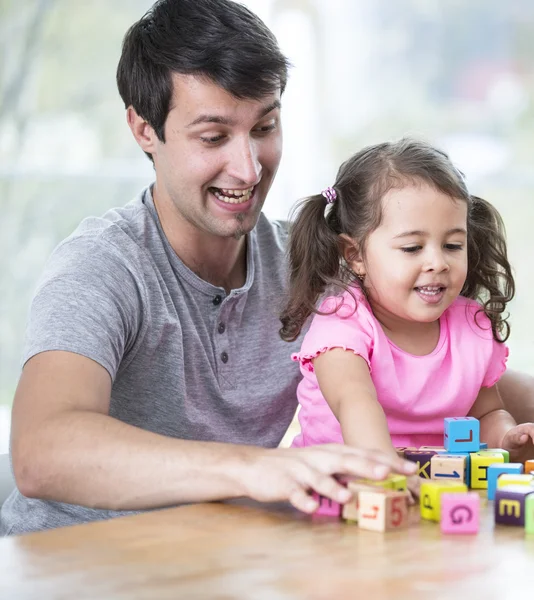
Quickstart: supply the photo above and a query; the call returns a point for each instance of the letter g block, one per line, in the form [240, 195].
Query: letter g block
[460, 513]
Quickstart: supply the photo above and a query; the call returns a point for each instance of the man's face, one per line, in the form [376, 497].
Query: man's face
[219, 158]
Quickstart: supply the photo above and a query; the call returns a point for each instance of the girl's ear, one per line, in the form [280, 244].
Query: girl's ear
[350, 250]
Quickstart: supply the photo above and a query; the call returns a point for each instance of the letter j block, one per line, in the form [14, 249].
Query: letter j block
[462, 434]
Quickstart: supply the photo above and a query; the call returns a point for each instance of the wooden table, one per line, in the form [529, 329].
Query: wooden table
[258, 552]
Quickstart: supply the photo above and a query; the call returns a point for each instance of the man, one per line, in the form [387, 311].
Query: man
[153, 370]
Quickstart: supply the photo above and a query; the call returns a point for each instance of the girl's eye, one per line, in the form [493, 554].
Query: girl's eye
[411, 249]
[212, 140]
[454, 246]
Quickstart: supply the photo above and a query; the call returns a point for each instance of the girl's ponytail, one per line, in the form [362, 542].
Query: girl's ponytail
[314, 263]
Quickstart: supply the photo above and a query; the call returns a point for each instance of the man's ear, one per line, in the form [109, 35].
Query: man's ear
[143, 133]
[352, 254]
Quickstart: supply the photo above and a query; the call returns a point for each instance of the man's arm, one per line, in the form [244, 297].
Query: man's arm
[517, 393]
[66, 447]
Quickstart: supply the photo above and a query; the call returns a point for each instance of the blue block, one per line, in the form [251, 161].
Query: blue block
[462, 434]
[498, 469]
[483, 446]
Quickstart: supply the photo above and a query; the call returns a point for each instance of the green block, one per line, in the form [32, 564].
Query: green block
[529, 514]
[505, 453]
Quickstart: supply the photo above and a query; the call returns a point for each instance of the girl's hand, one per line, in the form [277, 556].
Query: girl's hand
[519, 442]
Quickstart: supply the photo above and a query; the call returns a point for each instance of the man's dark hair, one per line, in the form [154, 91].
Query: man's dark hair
[219, 40]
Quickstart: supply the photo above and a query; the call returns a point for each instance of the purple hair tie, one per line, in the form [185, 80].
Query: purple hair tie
[329, 194]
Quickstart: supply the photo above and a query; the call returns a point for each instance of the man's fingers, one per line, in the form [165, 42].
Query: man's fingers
[303, 501]
[327, 486]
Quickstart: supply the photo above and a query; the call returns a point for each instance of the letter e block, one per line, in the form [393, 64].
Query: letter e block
[510, 504]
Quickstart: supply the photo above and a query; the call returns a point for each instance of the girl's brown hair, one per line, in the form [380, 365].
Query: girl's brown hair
[316, 262]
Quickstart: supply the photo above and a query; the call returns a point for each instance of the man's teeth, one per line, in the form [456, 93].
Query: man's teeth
[233, 196]
[430, 290]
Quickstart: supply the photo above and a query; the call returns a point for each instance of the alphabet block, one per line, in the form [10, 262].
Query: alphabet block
[422, 458]
[505, 453]
[449, 466]
[402, 449]
[510, 504]
[496, 470]
[529, 466]
[462, 434]
[460, 513]
[382, 510]
[326, 507]
[515, 479]
[480, 461]
[349, 512]
[430, 498]
[529, 514]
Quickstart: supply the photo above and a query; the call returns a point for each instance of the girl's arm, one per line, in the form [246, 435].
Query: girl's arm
[347, 387]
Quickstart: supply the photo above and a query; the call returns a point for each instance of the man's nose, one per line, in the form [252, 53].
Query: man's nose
[243, 163]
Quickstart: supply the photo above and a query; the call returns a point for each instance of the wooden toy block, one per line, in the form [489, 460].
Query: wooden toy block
[422, 458]
[505, 453]
[391, 482]
[462, 434]
[449, 466]
[429, 499]
[435, 448]
[483, 446]
[496, 470]
[460, 513]
[402, 449]
[515, 479]
[326, 507]
[529, 514]
[467, 463]
[349, 511]
[510, 504]
[480, 461]
[529, 466]
[383, 510]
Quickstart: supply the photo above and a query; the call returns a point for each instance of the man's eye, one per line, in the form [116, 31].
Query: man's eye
[266, 128]
[212, 140]
[411, 249]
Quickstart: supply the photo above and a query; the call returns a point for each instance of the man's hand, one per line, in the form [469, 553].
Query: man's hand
[290, 474]
[519, 442]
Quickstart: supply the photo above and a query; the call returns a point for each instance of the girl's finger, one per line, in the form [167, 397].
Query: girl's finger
[302, 501]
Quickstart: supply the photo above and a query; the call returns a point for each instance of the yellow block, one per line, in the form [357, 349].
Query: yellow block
[515, 479]
[430, 499]
[392, 482]
[480, 461]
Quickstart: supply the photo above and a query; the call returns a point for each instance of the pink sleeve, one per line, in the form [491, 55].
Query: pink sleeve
[497, 364]
[346, 328]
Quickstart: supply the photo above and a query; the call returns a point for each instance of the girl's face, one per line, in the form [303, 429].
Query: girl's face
[415, 262]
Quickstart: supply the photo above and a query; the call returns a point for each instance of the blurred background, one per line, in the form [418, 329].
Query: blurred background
[458, 73]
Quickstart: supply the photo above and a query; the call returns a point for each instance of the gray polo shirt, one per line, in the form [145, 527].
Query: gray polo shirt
[186, 359]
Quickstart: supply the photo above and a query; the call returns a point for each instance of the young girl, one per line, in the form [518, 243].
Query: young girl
[408, 277]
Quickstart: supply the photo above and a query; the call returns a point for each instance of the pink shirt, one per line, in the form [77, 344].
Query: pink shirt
[416, 392]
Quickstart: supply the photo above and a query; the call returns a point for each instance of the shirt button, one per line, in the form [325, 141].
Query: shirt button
[222, 328]
[224, 357]
[217, 300]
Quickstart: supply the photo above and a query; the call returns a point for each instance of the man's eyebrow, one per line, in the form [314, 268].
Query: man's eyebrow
[219, 120]
[419, 232]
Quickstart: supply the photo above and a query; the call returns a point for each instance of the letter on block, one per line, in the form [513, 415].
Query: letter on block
[349, 511]
[462, 434]
[449, 466]
[460, 513]
[326, 507]
[422, 458]
[430, 501]
[382, 510]
[496, 470]
[510, 504]
[480, 461]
